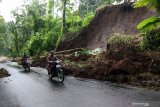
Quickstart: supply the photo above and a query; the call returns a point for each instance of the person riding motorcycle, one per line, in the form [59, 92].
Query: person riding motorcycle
[51, 64]
[24, 59]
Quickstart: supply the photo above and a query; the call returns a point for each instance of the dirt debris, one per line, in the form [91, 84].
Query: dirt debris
[125, 65]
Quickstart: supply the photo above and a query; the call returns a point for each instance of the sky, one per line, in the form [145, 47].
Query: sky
[6, 6]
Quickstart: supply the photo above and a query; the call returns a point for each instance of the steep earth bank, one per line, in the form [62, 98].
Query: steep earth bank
[108, 20]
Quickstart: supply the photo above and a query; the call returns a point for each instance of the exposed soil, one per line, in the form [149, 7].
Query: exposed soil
[40, 61]
[108, 20]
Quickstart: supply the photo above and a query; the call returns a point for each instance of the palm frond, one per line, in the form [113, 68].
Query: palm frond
[152, 4]
[149, 24]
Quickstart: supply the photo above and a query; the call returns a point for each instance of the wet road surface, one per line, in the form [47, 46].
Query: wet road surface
[30, 89]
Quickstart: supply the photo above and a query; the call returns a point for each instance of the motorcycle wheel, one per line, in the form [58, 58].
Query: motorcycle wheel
[27, 68]
[60, 76]
[49, 74]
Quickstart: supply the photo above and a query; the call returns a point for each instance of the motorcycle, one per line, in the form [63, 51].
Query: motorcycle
[26, 64]
[55, 70]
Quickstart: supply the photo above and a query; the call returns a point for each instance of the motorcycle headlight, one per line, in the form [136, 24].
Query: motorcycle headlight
[28, 61]
[58, 66]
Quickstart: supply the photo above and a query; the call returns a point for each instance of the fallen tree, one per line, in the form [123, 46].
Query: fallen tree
[68, 51]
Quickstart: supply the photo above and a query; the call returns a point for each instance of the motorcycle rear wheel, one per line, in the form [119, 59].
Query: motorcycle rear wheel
[26, 68]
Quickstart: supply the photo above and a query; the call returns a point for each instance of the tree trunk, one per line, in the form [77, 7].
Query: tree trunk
[64, 17]
[63, 24]
[16, 42]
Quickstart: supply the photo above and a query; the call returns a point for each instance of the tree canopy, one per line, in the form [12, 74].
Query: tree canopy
[40, 25]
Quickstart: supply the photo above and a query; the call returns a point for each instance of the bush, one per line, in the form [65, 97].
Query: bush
[120, 38]
[123, 42]
[151, 40]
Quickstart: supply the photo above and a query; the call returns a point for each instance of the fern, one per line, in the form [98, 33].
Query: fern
[152, 4]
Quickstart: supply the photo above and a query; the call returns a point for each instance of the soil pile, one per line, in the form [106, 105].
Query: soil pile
[107, 21]
[122, 63]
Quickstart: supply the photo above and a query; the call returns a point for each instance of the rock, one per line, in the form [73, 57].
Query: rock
[4, 73]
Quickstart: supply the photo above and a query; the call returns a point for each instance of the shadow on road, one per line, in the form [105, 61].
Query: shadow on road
[56, 84]
[23, 71]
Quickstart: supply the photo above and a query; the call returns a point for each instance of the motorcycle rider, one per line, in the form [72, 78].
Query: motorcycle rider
[51, 62]
[24, 59]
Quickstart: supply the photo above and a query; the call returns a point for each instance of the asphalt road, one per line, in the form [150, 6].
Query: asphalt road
[31, 89]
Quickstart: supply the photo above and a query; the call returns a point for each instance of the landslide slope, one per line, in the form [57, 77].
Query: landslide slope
[121, 18]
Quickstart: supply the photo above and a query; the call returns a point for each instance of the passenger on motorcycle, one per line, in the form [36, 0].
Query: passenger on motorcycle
[51, 62]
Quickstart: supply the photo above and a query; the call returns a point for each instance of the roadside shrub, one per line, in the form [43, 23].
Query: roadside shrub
[118, 38]
[151, 40]
[123, 44]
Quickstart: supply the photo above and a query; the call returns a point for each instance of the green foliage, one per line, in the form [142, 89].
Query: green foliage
[2, 25]
[151, 41]
[87, 18]
[149, 24]
[74, 22]
[4, 49]
[152, 22]
[83, 52]
[87, 6]
[51, 4]
[152, 4]
[42, 42]
[88, 52]
[120, 38]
